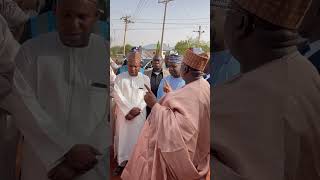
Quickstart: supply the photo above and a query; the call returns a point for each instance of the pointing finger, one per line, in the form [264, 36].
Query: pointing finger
[149, 90]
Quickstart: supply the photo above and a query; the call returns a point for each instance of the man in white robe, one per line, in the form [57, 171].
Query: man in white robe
[13, 19]
[61, 78]
[8, 49]
[129, 91]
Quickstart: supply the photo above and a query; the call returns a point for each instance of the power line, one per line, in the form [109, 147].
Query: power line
[147, 29]
[140, 6]
[199, 33]
[172, 23]
[168, 27]
[173, 18]
[169, 19]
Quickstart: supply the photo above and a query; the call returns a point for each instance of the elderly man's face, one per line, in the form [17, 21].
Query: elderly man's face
[75, 20]
[133, 67]
[175, 69]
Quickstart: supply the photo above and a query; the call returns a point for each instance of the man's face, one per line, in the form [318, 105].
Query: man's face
[133, 67]
[218, 17]
[156, 64]
[75, 20]
[174, 69]
[183, 71]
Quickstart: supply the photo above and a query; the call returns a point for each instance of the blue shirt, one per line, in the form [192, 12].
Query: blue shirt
[175, 83]
[223, 67]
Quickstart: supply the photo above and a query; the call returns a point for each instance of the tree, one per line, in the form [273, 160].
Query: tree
[183, 45]
[118, 50]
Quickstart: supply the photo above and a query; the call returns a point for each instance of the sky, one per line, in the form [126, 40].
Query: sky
[183, 17]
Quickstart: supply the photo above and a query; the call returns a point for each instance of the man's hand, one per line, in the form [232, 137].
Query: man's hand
[129, 117]
[166, 87]
[150, 98]
[82, 157]
[62, 172]
[134, 112]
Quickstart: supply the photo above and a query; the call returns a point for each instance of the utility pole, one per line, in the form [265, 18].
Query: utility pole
[164, 22]
[126, 20]
[199, 34]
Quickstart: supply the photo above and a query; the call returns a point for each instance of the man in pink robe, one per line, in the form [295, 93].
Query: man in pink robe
[175, 140]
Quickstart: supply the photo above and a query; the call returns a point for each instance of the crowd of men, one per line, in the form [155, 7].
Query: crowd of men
[153, 119]
[265, 98]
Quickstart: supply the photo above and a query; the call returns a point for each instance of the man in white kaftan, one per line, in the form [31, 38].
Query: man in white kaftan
[129, 91]
[8, 136]
[12, 23]
[63, 94]
[61, 79]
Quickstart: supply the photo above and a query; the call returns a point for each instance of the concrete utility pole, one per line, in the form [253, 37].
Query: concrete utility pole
[164, 22]
[199, 34]
[126, 20]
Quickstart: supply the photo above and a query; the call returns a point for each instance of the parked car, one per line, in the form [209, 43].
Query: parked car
[146, 64]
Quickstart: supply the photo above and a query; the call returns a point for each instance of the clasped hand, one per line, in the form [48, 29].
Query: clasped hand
[80, 159]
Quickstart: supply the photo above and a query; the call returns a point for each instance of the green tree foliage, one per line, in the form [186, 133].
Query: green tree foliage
[183, 45]
[115, 51]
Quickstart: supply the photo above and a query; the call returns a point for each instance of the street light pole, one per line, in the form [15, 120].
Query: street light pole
[199, 34]
[163, 24]
[126, 20]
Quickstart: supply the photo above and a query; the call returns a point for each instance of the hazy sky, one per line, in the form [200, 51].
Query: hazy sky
[183, 17]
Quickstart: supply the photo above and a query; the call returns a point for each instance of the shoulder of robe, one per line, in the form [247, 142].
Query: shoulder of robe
[121, 76]
[304, 81]
[267, 85]
[145, 77]
[301, 70]
[40, 42]
[204, 84]
[99, 41]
